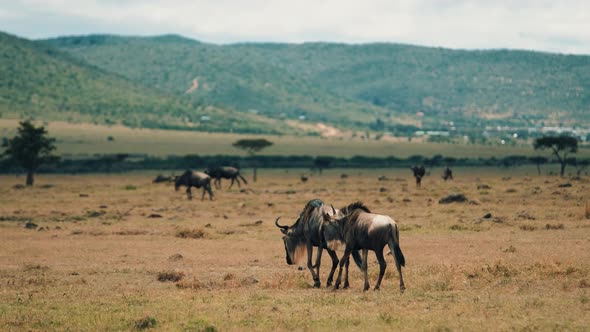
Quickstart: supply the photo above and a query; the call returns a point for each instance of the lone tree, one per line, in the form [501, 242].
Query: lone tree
[252, 146]
[30, 148]
[560, 146]
[538, 160]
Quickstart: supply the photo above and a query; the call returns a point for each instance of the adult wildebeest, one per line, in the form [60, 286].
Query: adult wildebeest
[362, 230]
[305, 234]
[194, 179]
[419, 172]
[447, 174]
[161, 178]
[225, 172]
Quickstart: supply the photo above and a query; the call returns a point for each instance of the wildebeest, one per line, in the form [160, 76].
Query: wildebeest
[419, 172]
[194, 179]
[447, 174]
[225, 172]
[305, 234]
[161, 178]
[362, 230]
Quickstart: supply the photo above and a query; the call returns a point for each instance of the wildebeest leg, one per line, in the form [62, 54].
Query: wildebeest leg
[189, 194]
[203, 196]
[382, 266]
[318, 261]
[208, 188]
[217, 183]
[365, 269]
[334, 265]
[238, 181]
[316, 278]
[231, 184]
[343, 260]
[346, 284]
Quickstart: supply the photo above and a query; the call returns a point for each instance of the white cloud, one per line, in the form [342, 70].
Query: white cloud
[562, 26]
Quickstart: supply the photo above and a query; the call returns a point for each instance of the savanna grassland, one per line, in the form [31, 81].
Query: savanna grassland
[116, 252]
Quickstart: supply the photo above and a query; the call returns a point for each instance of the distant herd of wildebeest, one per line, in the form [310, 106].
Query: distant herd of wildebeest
[353, 227]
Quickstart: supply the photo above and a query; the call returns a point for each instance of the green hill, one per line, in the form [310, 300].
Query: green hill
[227, 76]
[517, 86]
[42, 82]
[380, 85]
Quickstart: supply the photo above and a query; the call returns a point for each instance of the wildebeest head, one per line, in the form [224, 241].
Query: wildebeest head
[294, 246]
[181, 180]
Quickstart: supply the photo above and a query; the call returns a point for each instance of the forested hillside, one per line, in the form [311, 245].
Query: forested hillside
[377, 84]
[42, 82]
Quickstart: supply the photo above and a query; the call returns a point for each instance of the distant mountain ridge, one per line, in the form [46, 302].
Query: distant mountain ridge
[175, 82]
[368, 84]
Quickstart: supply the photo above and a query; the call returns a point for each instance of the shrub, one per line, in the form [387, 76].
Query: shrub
[195, 233]
[145, 323]
[173, 276]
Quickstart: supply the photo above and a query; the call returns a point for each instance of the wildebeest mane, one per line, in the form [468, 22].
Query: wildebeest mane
[354, 206]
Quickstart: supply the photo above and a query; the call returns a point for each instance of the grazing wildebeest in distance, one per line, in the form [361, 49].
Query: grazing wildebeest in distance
[447, 174]
[362, 230]
[194, 179]
[419, 172]
[225, 172]
[161, 178]
[305, 234]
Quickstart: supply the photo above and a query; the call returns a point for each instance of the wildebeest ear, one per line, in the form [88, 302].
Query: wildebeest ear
[326, 216]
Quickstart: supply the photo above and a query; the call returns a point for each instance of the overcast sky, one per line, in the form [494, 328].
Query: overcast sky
[554, 26]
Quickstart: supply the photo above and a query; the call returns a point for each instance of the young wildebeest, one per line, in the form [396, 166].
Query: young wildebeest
[447, 174]
[419, 172]
[225, 172]
[362, 230]
[194, 179]
[305, 234]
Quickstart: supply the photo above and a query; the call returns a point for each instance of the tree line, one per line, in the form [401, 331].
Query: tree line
[31, 151]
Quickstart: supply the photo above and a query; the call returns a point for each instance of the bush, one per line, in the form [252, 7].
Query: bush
[145, 323]
[195, 233]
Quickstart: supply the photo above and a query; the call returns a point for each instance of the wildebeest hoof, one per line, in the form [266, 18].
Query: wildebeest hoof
[336, 286]
[366, 288]
[317, 284]
[402, 289]
[376, 288]
[346, 285]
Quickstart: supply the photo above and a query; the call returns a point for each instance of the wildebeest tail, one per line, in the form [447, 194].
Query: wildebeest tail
[357, 258]
[241, 177]
[394, 245]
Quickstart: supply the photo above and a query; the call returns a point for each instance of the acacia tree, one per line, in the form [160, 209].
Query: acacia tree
[252, 146]
[30, 148]
[560, 146]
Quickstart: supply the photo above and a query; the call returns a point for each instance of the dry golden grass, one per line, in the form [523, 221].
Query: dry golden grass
[94, 261]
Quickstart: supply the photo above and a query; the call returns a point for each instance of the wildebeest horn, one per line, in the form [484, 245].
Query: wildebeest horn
[279, 226]
[333, 210]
